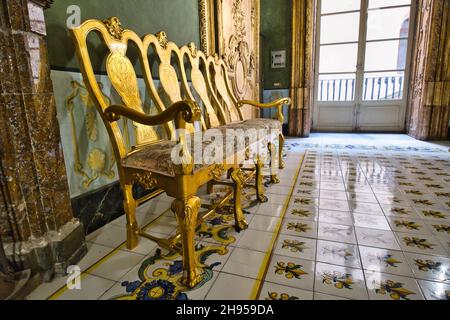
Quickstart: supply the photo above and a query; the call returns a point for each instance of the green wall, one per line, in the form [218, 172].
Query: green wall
[178, 18]
[276, 34]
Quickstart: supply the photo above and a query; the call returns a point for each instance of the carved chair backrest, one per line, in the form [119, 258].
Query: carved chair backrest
[167, 58]
[122, 75]
[220, 87]
[194, 61]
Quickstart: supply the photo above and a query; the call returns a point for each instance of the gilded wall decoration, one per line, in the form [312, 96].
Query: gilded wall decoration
[207, 26]
[238, 33]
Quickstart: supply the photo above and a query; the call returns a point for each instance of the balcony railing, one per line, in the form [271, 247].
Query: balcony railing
[375, 88]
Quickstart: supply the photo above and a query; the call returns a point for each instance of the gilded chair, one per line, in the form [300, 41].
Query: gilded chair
[151, 162]
[223, 95]
[193, 61]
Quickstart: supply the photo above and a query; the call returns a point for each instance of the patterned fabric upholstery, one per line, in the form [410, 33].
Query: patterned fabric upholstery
[157, 157]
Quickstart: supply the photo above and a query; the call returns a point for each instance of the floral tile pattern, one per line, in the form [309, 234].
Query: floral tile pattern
[362, 219]
[340, 281]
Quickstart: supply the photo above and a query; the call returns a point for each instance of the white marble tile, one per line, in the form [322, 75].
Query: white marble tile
[370, 221]
[116, 265]
[244, 262]
[264, 223]
[255, 240]
[338, 253]
[241, 288]
[335, 232]
[110, 236]
[377, 238]
[91, 288]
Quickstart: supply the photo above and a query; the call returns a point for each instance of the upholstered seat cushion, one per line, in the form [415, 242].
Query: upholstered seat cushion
[157, 157]
[268, 124]
[260, 123]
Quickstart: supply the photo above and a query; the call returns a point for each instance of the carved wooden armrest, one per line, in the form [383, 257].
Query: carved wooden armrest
[182, 112]
[277, 103]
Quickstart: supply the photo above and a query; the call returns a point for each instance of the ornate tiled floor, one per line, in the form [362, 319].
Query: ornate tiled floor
[354, 217]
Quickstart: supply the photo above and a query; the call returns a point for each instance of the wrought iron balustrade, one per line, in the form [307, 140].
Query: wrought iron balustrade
[375, 88]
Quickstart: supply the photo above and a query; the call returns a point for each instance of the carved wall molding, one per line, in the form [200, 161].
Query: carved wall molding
[302, 78]
[429, 100]
[238, 34]
[207, 26]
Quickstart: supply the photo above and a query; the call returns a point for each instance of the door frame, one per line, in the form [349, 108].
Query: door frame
[358, 105]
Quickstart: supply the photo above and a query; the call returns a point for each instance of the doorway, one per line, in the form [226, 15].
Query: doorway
[363, 55]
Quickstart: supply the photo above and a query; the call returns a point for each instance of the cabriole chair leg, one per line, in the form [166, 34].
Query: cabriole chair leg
[236, 176]
[259, 180]
[280, 151]
[186, 211]
[129, 204]
[273, 164]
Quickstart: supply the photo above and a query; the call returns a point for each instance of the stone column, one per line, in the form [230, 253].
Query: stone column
[429, 100]
[302, 81]
[36, 220]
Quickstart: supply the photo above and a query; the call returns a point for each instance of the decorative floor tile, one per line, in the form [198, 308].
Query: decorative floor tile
[383, 286]
[302, 213]
[296, 247]
[244, 262]
[429, 267]
[435, 290]
[439, 228]
[300, 192]
[377, 238]
[420, 243]
[335, 232]
[393, 187]
[385, 261]
[400, 224]
[302, 228]
[370, 221]
[338, 253]
[399, 211]
[297, 273]
[434, 215]
[272, 291]
[340, 281]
